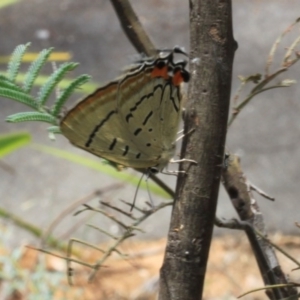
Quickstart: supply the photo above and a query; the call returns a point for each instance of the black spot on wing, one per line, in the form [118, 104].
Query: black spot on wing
[130, 115]
[137, 131]
[113, 144]
[125, 150]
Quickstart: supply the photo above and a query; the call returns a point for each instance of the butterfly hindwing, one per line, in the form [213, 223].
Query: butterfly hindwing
[131, 121]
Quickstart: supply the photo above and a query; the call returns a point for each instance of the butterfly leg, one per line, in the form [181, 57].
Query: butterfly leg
[183, 135]
[183, 160]
[175, 173]
[168, 172]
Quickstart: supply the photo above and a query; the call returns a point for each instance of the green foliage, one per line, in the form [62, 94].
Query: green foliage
[15, 62]
[13, 141]
[10, 89]
[35, 68]
[4, 3]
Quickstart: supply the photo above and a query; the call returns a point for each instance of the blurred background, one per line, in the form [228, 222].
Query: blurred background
[37, 186]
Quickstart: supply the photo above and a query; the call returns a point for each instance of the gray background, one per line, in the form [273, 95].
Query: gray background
[265, 135]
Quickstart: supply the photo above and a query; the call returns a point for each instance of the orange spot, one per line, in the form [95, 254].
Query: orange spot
[160, 72]
[177, 78]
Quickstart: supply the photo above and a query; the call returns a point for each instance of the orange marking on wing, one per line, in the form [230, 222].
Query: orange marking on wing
[177, 78]
[160, 72]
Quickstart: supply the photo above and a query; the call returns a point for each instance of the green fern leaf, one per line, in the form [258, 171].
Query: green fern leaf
[54, 129]
[53, 80]
[34, 69]
[5, 83]
[75, 84]
[15, 62]
[31, 116]
[18, 96]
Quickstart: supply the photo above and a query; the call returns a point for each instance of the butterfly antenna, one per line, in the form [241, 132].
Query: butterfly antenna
[148, 189]
[136, 192]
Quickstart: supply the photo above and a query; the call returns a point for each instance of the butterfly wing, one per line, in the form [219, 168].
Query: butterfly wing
[132, 121]
[95, 125]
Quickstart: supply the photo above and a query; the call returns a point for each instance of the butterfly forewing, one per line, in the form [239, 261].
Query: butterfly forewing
[94, 125]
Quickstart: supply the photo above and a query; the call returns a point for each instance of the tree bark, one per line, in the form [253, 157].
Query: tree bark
[211, 57]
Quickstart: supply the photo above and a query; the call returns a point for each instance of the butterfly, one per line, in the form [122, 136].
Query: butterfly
[133, 120]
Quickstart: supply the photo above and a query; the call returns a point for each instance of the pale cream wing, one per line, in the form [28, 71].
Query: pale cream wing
[152, 117]
[95, 125]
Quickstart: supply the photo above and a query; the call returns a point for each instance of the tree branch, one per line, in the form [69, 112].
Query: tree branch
[239, 191]
[133, 28]
[212, 51]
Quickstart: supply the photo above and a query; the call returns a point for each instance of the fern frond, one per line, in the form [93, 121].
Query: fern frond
[31, 116]
[54, 129]
[5, 83]
[9, 88]
[15, 62]
[61, 100]
[34, 69]
[53, 80]
[18, 96]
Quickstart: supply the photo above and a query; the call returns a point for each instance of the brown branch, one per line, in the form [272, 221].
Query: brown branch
[133, 28]
[212, 44]
[240, 193]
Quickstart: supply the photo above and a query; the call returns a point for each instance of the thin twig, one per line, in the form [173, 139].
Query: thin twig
[133, 28]
[275, 46]
[246, 206]
[278, 248]
[106, 214]
[74, 205]
[260, 87]
[102, 231]
[129, 215]
[260, 192]
[126, 235]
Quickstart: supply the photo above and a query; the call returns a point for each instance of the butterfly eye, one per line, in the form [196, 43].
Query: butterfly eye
[185, 75]
[160, 64]
[180, 75]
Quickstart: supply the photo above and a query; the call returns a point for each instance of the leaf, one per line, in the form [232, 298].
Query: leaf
[5, 83]
[61, 100]
[53, 80]
[63, 84]
[12, 142]
[15, 61]
[4, 3]
[31, 116]
[18, 96]
[54, 129]
[255, 78]
[35, 68]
